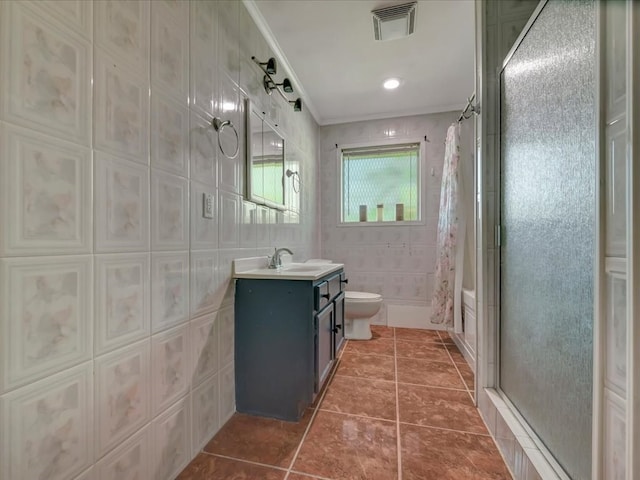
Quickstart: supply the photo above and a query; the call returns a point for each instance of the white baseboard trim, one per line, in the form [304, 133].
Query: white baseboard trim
[411, 316]
[467, 353]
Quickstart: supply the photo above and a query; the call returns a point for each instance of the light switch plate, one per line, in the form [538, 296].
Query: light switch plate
[207, 205]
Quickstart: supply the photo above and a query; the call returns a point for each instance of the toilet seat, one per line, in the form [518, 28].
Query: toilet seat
[358, 297]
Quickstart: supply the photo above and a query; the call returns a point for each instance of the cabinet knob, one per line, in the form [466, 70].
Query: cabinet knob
[325, 295]
[346, 280]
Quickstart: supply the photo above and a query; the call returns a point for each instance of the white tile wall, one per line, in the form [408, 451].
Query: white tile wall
[116, 339]
[395, 261]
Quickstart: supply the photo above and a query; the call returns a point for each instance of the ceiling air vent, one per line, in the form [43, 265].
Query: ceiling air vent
[393, 22]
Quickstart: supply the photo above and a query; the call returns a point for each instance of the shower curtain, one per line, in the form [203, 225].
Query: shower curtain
[447, 291]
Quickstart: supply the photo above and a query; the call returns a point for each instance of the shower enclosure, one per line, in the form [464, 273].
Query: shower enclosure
[548, 212]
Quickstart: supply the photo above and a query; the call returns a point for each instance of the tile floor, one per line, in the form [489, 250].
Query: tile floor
[396, 407]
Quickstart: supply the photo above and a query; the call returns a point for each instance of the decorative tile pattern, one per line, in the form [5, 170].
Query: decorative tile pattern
[122, 27]
[227, 393]
[432, 350]
[171, 441]
[375, 346]
[231, 108]
[429, 373]
[169, 290]
[248, 227]
[122, 394]
[439, 407]
[616, 332]
[430, 453]
[208, 466]
[334, 440]
[122, 205]
[616, 188]
[259, 439]
[46, 188]
[203, 141]
[361, 396]
[47, 427]
[203, 58]
[130, 461]
[205, 413]
[121, 109]
[227, 27]
[169, 367]
[204, 282]
[170, 207]
[123, 300]
[170, 48]
[614, 437]
[229, 219]
[169, 135]
[46, 74]
[76, 14]
[227, 329]
[46, 326]
[204, 347]
[376, 367]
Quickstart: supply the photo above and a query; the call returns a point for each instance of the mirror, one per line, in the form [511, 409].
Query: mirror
[265, 161]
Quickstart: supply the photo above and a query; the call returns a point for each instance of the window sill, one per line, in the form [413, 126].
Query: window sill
[416, 223]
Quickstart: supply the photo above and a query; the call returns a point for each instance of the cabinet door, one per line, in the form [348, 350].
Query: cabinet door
[339, 323]
[324, 345]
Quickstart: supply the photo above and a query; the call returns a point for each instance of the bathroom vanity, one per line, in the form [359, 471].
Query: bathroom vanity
[289, 329]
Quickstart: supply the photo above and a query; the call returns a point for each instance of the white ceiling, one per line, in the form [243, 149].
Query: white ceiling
[330, 50]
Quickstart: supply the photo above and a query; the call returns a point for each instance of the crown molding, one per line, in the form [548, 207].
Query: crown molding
[262, 25]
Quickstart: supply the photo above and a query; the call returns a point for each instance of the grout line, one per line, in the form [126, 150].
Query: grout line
[365, 378]
[431, 427]
[282, 469]
[423, 359]
[335, 412]
[459, 374]
[465, 389]
[398, 444]
[316, 409]
[310, 475]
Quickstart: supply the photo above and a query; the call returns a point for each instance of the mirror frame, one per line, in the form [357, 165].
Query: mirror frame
[250, 121]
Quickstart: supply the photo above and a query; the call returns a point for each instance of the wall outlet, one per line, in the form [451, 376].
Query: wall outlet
[207, 205]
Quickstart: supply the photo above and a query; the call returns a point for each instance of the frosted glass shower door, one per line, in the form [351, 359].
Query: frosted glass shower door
[548, 158]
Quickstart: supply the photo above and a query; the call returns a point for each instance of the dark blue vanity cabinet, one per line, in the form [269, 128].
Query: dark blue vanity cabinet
[287, 336]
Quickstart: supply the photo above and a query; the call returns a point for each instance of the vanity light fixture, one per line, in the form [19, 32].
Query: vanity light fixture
[297, 104]
[286, 85]
[391, 83]
[270, 66]
[269, 84]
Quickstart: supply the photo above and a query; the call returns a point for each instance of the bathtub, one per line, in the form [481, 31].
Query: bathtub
[468, 336]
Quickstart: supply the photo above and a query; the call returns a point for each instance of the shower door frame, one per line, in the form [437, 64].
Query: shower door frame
[491, 324]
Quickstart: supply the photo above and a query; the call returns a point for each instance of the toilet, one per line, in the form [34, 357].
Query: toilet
[359, 308]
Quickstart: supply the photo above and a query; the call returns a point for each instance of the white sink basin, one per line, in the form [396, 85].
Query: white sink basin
[292, 267]
[288, 271]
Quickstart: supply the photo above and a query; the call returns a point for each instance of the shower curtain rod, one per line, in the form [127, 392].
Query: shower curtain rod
[470, 108]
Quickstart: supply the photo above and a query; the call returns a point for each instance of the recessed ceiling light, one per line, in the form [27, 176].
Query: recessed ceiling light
[391, 83]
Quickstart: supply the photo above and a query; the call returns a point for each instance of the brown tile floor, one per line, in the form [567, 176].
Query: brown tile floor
[397, 407]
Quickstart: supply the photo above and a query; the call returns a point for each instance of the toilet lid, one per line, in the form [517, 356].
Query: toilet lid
[362, 296]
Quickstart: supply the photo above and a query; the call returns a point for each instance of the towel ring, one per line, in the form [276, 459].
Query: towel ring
[219, 125]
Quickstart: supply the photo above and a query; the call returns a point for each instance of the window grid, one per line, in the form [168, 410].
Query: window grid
[381, 175]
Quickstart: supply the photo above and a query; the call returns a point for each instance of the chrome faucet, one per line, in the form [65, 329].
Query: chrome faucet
[275, 261]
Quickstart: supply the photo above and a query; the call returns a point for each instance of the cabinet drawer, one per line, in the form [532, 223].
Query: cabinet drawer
[322, 295]
[335, 286]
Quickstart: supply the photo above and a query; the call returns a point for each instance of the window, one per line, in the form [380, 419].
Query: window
[381, 183]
